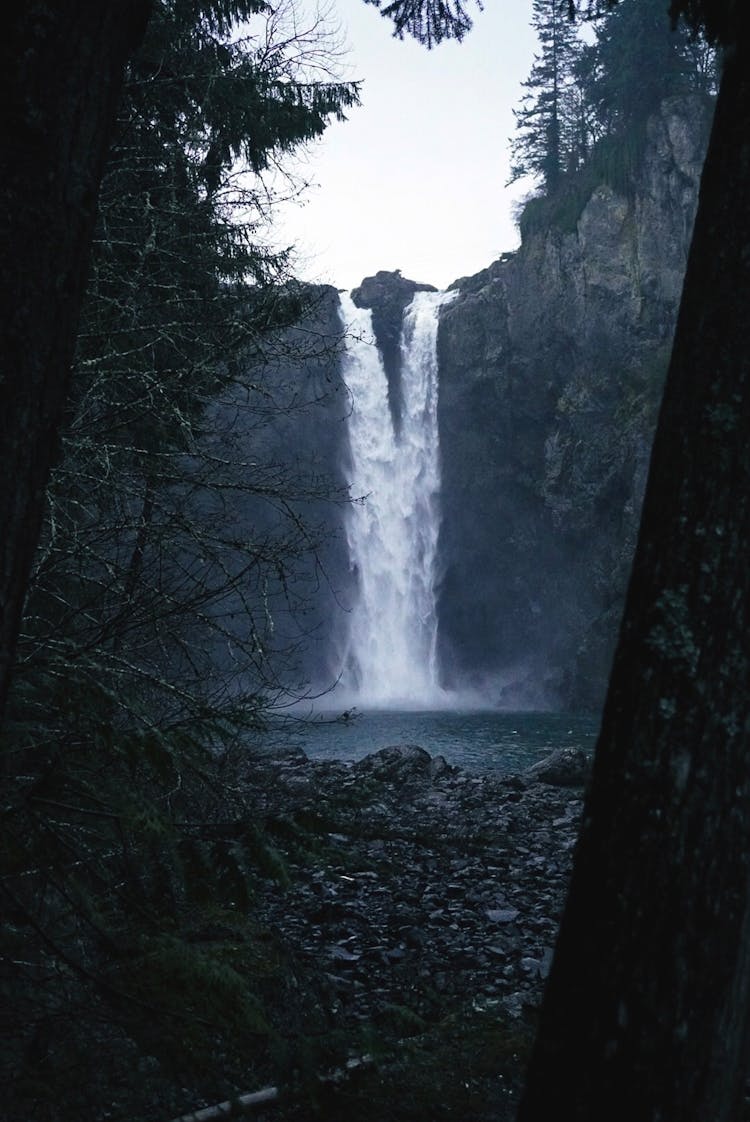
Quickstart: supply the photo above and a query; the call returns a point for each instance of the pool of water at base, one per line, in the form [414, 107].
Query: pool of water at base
[478, 741]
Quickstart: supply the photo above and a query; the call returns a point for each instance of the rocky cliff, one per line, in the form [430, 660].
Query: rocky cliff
[551, 365]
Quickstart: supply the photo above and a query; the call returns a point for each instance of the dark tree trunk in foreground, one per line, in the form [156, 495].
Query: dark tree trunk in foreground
[61, 70]
[646, 1012]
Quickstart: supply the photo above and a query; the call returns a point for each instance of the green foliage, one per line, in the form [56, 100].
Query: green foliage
[614, 161]
[129, 857]
[427, 21]
[194, 995]
[719, 20]
[583, 121]
[639, 60]
[560, 210]
[432, 21]
[467, 1065]
[403, 1020]
[542, 145]
[140, 579]
[128, 870]
[223, 99]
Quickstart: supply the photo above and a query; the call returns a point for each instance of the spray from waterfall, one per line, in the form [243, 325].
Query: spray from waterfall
[392, 530]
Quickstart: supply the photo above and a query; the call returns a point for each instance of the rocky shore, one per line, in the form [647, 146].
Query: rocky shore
[439, 893]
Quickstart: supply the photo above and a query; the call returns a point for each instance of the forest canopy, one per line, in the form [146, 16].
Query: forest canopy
[431, 21]
[588, 101]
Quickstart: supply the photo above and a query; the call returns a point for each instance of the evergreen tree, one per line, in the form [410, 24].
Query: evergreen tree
[181, 298]
[639, 60]
[118, 824]
[582, 94]
[428, 21]
[585, 129]
[545, 129]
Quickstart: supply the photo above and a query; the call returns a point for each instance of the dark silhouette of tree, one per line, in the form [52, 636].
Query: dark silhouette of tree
[646, 1012]
[217, 105]
[639, 60]
[593, 100]
[431, 21]
[546, 121]
[167, 569]
[61, 67]
[428, 21]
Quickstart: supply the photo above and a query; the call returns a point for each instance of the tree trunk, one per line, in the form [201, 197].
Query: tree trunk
[61, 69]
[645, 1017]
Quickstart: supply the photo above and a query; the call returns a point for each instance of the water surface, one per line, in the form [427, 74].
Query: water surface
[491, 741]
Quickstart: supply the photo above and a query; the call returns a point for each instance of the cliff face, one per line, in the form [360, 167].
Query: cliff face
[551, 364]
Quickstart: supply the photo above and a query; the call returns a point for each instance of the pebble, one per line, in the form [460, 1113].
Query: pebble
[432, 874]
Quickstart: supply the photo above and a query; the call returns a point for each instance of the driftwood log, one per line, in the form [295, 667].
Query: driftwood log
[247, 1102]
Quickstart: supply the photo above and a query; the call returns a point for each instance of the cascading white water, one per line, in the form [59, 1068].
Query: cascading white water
[392, 533]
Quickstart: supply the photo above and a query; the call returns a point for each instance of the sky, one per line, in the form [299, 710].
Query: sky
[415, 178]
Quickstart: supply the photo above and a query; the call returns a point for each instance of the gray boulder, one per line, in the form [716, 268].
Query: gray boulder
[565, 767]
[397, 763]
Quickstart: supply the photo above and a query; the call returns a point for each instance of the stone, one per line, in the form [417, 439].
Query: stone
[396, 762]
[566, 767]
[387, 294]
[428, 906]
[439, 767]
[544, 443]
[341, 954]
[502, 915]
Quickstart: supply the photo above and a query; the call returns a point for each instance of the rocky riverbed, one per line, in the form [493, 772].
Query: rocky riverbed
[439, 894]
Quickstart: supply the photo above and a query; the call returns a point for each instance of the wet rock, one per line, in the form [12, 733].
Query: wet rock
[388, 293]
[440, 767]
[502, 915]
[566, 767]
[396, 763]
[342, 955]
[429, 880]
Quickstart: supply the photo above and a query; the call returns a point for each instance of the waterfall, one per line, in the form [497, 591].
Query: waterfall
[392, 530]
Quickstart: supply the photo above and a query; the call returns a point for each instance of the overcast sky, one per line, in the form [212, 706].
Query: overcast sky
[415, 179]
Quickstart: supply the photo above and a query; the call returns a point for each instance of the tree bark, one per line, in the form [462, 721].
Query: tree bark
[61, 69]
[645, 1016]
